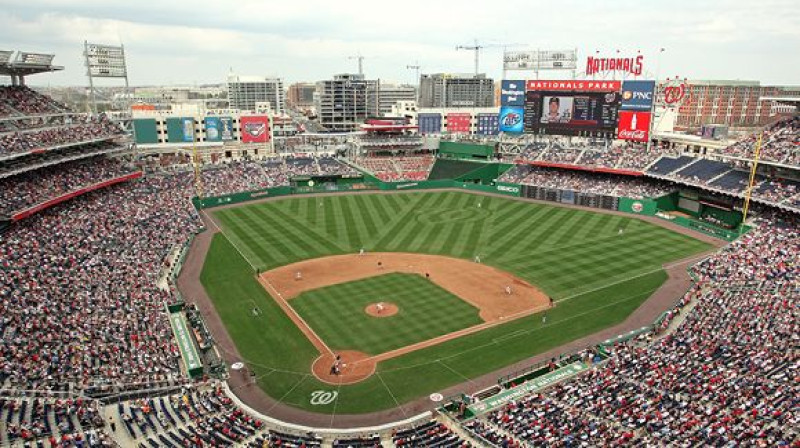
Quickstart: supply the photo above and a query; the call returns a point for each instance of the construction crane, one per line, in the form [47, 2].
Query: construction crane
[416, 67]
[360, 62]
[478, 47]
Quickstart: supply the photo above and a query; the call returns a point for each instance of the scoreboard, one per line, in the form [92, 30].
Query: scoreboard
[571, 113]
[572, 107]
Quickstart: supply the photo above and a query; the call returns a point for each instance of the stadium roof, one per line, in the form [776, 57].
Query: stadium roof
[25, 63]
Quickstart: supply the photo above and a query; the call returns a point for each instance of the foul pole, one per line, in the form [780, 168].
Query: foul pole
[749, 193]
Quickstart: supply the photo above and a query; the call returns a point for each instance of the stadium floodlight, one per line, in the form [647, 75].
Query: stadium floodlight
[104, 61]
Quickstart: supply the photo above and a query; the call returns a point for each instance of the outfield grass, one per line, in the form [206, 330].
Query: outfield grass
[577, 257]
[336, 313]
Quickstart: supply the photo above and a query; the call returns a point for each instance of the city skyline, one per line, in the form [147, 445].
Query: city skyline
[188, 43]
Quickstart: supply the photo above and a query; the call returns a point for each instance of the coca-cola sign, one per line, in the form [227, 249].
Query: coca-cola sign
[634, 126]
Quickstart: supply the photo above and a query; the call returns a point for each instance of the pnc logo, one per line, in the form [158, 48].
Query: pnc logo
[629, 95]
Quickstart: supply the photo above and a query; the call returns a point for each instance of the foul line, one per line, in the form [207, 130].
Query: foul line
[287, 393]
[454, 371]
[306, 329]
[664, 267]
[391, 394]
[210, 219]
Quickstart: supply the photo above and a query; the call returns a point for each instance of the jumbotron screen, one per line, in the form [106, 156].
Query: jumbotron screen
[580, 111]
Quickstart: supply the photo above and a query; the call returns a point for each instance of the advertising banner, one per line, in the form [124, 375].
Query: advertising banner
[512, 93]
[430, 123]
[212, 129]
[575, 86]
[187, 129]
[488, 124]
[145, 130]
[634, 126]
[226, 129]
[255, 128]
[511, 119]
[515, 393]
[458, 122]
[638, 95]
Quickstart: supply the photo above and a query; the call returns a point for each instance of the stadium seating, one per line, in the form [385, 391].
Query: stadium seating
[779, 143]
[57, 422]
[667, 165]
[102, 254]
[21, 100]
[724, 376]
[391, 169]
[33, 187]
[612, 185]
[27, 141]
[82, 312]
[429, 434]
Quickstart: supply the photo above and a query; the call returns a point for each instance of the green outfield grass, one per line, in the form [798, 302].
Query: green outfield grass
[336, 313]
[597, 275]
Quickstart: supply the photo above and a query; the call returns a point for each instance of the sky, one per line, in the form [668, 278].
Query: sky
[187, 42]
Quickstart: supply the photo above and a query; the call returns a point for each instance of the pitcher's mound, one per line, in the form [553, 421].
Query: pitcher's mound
[381, 309]
[354, 366]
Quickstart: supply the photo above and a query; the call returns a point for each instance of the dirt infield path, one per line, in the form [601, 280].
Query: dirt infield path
[189, 285]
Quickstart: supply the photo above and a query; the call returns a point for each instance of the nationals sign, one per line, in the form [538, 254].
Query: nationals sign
[630, 65]
[255, 128]
[634, 126]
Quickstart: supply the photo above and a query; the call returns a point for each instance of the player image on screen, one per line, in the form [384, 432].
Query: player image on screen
[558, 109]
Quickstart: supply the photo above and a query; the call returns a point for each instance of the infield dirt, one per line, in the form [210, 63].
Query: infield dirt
[499, 296]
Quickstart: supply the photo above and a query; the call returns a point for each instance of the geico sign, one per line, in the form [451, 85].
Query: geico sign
[507, 189]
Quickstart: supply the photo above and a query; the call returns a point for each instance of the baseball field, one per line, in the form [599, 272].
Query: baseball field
[451, 286]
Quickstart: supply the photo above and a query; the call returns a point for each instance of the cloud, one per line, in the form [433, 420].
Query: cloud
[184, 41]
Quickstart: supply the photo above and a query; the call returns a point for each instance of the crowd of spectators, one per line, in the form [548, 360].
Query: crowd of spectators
[780, 143]
[726, 375]
[329, 166]
[249, 175]
[62, 422]
[15, 100]
[237, 176]
[428, 434]
[777, 190]
[26, 141]
[79, 305]
[391, 169]
[626, 156]
[33, 187]
[586, 182]
[194, 417]
[14, 166]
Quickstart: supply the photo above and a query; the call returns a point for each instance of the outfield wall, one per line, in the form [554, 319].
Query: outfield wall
[237, 198]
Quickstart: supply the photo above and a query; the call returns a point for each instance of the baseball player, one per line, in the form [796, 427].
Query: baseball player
[379, 307]
[508, 290]
[298, 276]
